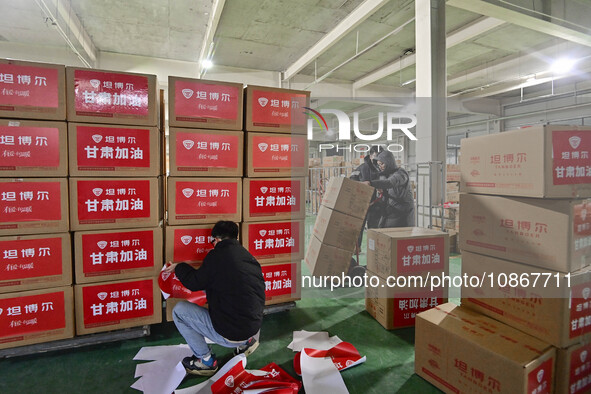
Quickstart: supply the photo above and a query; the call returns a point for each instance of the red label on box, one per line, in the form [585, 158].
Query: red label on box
[30, 201]
[109, 304]
[206, 198]
[582, 228]
[279, 152]
[194, 99]
[539, 380]
[274, 109]
[280, 279]
[408, 305]
[113, 199]
[580, 370]
[196, 150]
[580, 311]
[192, 244]
[107, 147]
[28, 86]
[29, 147]
[30, 258]
[105, 94]
[268, 196]
[570, 153]
[105, 253]
[276, 238]
[420, 254]
[20, 316]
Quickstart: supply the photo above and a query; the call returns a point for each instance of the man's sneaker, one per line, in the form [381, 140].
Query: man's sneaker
[248, 348]
[197, 366]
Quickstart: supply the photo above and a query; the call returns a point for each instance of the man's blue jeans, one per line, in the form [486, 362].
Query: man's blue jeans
[194, 324]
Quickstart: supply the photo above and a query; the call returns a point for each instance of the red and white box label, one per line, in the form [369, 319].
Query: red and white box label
[580, 311]
[278, 152]
[194, 100]
[407, 306]
[270, 239]
[580, 370]
[30, 201]
[198, 199]
[274, 196]
[280, 279]
[420, 255]
[274, 109]
[540, 380]
[199, 150]
[29, 147]
[192, 244]
[30, 258]
[570, 152]
[28, 86]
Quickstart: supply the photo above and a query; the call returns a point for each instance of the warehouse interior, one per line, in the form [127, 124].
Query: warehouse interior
[464, 68]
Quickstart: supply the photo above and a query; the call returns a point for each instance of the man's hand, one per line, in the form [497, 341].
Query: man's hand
[170, 266]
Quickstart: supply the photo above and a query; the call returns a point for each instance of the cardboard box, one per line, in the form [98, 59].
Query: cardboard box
[337, 229]
[406, 250]
[36, 316]
[540, 161]
[282, 282]
[203, 200]
[458, 350]
[101, 256]
[396, 307]
[198, 103]
[452, 187]
[333, 161]
[115, 305]
[347, 196]
[206, 152]
[543, 303]
[114, 97]
[170, 304]
[189, 244]
[314, 162]
[276, 110]
[573, 369]
[271, 242]
[323, 259]
[276, 155]
[113, 150]
[32, 90]
[102, 203]
[33, 205]
[452, 168]
[33, 148]
[553, 234]
[273, 199]
[35, 262]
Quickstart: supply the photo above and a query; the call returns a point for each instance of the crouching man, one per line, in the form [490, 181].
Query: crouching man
[235, 289]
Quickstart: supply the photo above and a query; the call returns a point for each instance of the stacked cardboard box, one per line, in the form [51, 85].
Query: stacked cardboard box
[114, 158]
[404, 252]
[35, 247]
[337, 227]
[530, 236]
[333, 161]
[274, 187]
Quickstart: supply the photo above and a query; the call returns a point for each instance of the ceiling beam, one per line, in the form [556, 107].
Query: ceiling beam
[463, 34]
[212, 25]
[520, 19]
[351, 21]
[69, 27]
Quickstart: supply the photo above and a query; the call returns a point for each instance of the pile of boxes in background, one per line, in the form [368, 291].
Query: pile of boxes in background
[222, 169]
[528, 236]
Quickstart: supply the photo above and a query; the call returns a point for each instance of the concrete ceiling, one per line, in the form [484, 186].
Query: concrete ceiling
[490, 44]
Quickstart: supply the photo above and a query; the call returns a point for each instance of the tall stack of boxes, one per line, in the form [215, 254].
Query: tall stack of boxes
[525, 230]
[35, 249]
[114, 198]
[276, 164]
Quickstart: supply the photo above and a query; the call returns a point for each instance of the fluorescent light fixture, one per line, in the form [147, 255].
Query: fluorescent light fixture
[207, 63]
[531, 79]
[563, 65]
[408, 82]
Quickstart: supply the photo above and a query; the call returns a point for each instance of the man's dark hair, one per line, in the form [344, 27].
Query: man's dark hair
[374, 149]
[225, 230]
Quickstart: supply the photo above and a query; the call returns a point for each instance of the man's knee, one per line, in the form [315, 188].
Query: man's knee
[179, 310]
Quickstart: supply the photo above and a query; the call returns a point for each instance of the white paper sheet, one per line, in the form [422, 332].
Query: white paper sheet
[153, 353]
[312, 340]
[320, 376]
[165, 373]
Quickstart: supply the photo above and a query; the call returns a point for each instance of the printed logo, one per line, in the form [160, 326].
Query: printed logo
[188, 192]
[186, 239]
[102, 295]
[263, 233]
[349, 363]
[102, 244]
[478, 232]
[187, 93]
[165, 275]
[586, 292]
[475, 173]
[188, 144]
[263, 147]
[263, 101]
[540, 375]
[574, 141]
[410, 248]
[583, 356]
[97, 191]
[264, 189]
[229, 381]
[1, 310]
[97, 138]
[583, 214]
[95, 83]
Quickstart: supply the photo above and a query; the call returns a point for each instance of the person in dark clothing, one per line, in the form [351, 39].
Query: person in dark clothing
[399, 209]
[233, 282]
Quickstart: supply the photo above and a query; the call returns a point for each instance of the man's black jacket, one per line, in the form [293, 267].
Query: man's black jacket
[235, 288]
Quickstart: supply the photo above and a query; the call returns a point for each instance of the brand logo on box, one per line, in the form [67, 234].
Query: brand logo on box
[1, 310]
[263, 147]
[97, 191]
[583, 214]
[586, 292]
[574, 142]
[229, 381]
[102, 295]
[101, 244]
[410, 249]
[583, 356]
[188, 93]
[97, 138]
[264, 190]
[263, 101]
[187, 192]
[95, 83]
[188, 144]
[263, 233]
[540, 376]
[186, 239]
